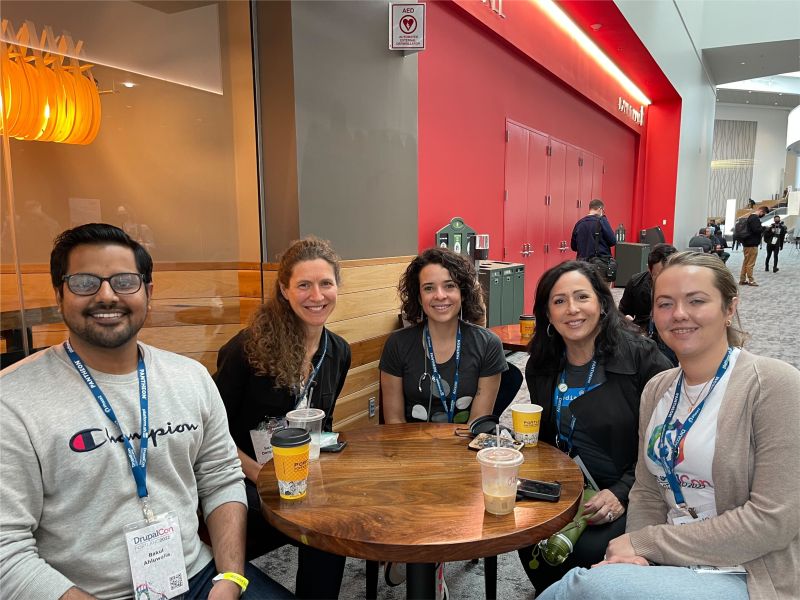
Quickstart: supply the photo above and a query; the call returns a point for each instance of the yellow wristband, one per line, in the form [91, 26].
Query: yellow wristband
[239, 580]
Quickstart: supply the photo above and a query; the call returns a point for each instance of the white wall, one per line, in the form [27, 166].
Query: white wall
[660, 27]
[770, 154]
[727, 23]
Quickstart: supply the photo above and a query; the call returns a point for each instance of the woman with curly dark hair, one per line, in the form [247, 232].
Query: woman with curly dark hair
[587, 368]
[445, 368]
[286, 359]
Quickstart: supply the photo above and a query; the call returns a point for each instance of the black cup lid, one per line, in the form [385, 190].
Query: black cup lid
[290, 437]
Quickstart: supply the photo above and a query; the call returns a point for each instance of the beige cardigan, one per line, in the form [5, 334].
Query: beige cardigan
[756, 471]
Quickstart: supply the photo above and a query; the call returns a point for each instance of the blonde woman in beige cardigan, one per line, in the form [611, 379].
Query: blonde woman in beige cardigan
[718, 477]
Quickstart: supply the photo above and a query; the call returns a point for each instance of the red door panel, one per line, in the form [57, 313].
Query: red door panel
[537, 213]
[516, 190]
[556, 189]
[572, 196]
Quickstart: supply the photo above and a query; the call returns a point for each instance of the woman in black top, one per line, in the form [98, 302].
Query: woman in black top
[286, 359]
[587, 368]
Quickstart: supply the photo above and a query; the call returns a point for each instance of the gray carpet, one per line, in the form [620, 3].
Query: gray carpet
[770, 313]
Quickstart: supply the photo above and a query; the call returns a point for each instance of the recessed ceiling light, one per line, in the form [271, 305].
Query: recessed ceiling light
[128, 84]
[742, 63]
[747, 102]
[776, 104]
[749, 91]
[780, 93]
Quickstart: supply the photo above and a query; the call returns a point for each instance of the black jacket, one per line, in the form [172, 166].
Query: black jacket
[610, 412]
[775, 234]
[637, 299]
[582, 240]
[754, 231]
[249, 398]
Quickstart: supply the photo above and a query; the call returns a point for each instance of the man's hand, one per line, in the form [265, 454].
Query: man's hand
[225, 590]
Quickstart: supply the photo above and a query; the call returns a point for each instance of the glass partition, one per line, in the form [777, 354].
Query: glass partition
[173, 164]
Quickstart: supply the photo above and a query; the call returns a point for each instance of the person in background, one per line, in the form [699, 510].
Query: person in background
[592, 235]
[637, 299]
[718, 480]
[750, 243]
[702, 240]
[719, 245]
[103, 432]
[773, 237]
[286, 359]
[587, 368]
[717, 230]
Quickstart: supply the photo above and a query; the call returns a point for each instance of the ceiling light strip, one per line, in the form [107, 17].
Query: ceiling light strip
[560, 18]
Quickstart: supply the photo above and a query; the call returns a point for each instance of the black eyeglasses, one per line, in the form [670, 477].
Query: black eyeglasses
[86, 284]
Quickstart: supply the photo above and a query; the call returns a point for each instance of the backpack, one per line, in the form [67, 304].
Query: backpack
[740, 228]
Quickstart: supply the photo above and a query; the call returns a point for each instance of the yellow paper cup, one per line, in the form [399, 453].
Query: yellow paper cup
[527, 325]
[526, 419]
[290, 457]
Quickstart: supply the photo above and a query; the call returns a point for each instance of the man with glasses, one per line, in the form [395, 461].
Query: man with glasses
[109, 444]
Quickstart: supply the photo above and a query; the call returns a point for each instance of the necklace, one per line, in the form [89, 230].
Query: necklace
[697, 397]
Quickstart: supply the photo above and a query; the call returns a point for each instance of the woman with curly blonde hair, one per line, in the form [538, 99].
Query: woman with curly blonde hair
[286, 359]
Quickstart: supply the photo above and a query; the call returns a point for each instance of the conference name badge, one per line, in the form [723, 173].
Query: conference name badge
[155, 553]
[679, 516]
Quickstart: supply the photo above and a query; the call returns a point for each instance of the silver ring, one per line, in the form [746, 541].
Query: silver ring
[610, 516]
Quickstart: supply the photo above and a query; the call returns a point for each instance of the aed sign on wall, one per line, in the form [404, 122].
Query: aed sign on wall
[406, 26]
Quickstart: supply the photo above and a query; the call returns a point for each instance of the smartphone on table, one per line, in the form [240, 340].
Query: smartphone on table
[538, 490]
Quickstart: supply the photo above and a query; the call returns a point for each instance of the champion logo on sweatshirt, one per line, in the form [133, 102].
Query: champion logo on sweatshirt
[87, 440]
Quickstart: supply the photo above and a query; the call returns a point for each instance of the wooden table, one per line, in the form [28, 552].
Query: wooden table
[511, 338]
[412, 493]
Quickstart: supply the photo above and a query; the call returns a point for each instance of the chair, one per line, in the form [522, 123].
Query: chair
[510, 382]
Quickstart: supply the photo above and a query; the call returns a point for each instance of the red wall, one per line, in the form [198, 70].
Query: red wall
[470, 82]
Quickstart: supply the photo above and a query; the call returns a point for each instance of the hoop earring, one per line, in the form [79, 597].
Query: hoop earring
[549, 332]
[728, 323]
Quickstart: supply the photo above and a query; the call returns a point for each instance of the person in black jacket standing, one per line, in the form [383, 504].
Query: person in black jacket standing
[592, 235]
[750, 243]
[774, 236]
[587, 368]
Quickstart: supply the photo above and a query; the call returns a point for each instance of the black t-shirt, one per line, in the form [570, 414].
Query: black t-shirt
[404, 356]
[250, 399]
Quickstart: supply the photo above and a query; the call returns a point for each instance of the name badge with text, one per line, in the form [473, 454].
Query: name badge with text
[155, 553]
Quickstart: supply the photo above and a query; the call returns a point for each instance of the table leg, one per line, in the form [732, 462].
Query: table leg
[490, 577]
[421, 581]
[372, 580]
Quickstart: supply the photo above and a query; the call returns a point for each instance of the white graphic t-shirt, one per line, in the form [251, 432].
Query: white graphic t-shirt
[693, 463]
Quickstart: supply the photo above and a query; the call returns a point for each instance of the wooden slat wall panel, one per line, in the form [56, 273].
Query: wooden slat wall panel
[37, 287]
[368, 350]
[368, 326]
[360, 377]
[351, 306]
[358, 421]
[355, 403]
[359, 279]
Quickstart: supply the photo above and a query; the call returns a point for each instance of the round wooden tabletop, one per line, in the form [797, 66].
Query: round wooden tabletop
[412, 493]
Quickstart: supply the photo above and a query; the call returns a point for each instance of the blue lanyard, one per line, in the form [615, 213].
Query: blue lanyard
[138, 467]
[558, 400]
[437, 378]
[314, 372]
[666, 456]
